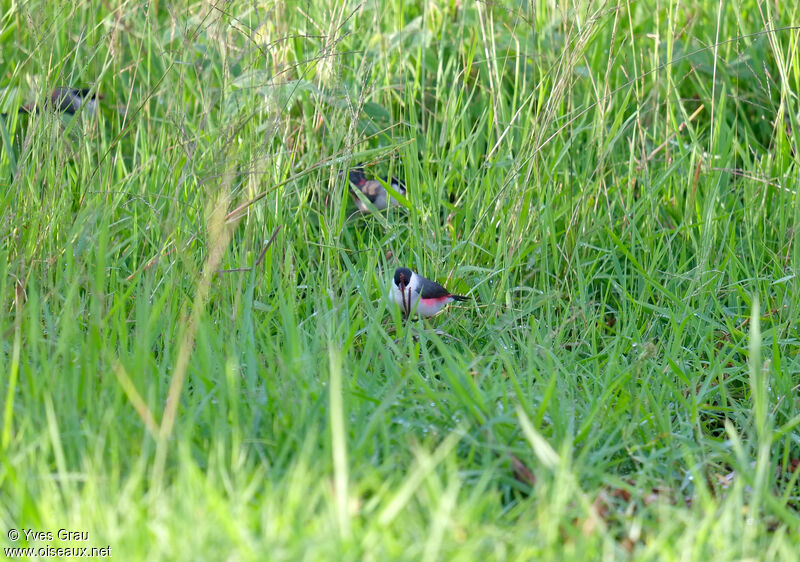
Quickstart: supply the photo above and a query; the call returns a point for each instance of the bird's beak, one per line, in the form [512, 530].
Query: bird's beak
[406, 304]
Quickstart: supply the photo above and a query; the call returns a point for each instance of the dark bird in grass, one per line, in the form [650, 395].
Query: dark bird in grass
[66, 100]
[414, 293]
[374, 190]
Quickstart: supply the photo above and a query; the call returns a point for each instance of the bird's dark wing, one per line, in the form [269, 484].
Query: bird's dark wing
[432, 290]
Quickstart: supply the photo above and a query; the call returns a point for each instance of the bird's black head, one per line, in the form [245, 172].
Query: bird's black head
[402, 275]
[357, 177]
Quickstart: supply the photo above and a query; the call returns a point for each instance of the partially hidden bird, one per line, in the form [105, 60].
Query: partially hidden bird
[66, 100]
[374, 190]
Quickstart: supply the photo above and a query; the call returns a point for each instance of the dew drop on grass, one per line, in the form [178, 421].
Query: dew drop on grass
[401, 421]
[505, 346]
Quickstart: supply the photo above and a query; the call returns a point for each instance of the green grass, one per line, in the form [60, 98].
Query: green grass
[613, 184]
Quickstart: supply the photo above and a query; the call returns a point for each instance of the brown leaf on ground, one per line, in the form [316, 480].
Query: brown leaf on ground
[601, 505]
[628, 544]
[521, 472]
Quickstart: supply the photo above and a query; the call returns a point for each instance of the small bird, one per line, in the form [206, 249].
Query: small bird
[415, 293]
[66, 100]
[374, 190]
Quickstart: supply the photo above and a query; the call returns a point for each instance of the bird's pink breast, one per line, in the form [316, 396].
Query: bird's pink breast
[429, 307]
